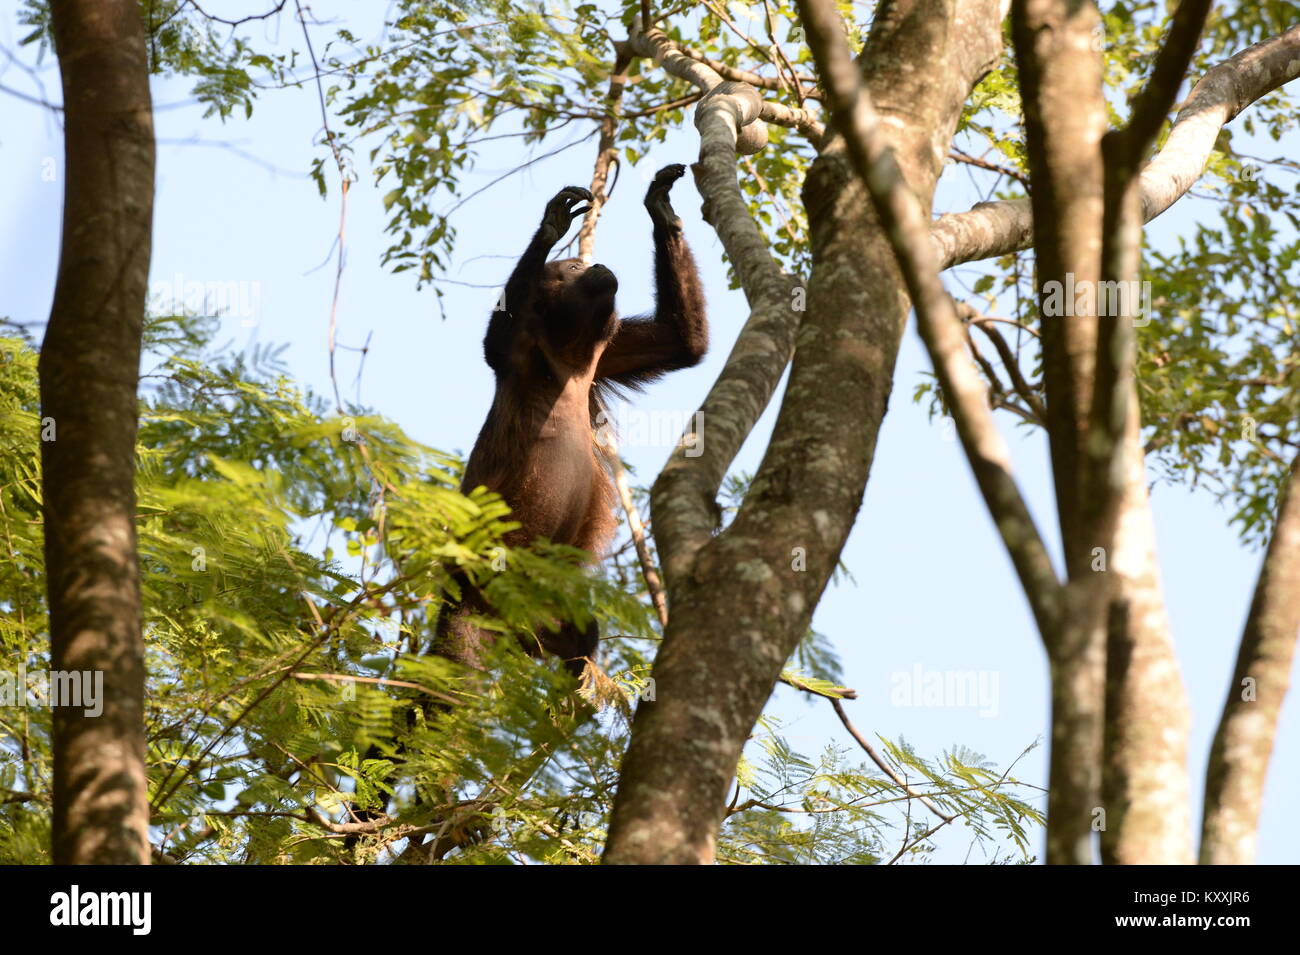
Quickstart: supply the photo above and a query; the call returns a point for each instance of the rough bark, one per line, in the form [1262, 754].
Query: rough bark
[941, 330]
[1065, 118]
[738, 603]
[1145, 785]
[606, 152]
[89, 367]
[687, 488]
[1234, 780]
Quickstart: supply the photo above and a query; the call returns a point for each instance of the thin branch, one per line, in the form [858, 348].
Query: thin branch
[884, 766]
[997, 228]
[958, 156]
[654, 584]
[378, 681]
[17, 795]
[343, 204]
[1009, 361]
[242, 20]
[808, 84]
[28, 98]
[1153, 104]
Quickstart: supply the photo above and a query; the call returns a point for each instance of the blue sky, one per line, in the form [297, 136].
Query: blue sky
[933, 587]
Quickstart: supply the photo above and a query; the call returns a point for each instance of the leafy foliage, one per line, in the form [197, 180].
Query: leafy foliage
[293, 563]
[453, 76]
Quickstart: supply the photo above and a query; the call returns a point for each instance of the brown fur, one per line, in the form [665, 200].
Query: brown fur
[555, 347]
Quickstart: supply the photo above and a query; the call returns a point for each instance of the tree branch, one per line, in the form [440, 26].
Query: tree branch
[688, 486]
[997, 228]
[855, 119]
[1239, 758]
[1152, 105]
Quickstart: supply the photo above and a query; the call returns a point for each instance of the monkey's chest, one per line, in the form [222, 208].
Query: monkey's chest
[561, 484]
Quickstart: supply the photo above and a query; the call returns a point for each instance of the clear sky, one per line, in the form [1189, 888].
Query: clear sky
[932, 585]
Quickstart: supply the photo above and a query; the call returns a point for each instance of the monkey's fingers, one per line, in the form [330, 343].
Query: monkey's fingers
[665, 177]
[573, 193]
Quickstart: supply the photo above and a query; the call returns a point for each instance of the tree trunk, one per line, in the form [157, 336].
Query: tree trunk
[89, 370]
[1065, 118]
[1146, 786]
[740, 601]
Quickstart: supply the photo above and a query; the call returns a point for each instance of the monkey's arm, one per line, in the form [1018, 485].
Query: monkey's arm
[677, 335]
[521, 287]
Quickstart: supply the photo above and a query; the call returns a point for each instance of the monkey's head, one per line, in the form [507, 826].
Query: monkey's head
[584, 294]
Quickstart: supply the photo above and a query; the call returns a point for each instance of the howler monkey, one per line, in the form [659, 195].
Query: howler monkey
[555, 342]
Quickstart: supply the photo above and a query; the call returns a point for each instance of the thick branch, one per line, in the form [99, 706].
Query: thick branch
[1239, 758]
[998, 228]
[685, 494]
[855, 119]
[744, 599]
[1065, 118]
[89, 369]
[1144, 786]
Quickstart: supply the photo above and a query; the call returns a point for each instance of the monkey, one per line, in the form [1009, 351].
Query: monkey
[558, 348]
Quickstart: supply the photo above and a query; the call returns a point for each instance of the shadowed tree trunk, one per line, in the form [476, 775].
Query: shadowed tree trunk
[89, 368]
[1146, 785]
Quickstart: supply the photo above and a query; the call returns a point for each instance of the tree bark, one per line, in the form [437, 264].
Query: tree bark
[1146, 787]
[1065, 118]
[89, 369]
[741, 600]
[1234, 780]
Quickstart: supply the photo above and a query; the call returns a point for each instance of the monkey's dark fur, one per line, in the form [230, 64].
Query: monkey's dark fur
[557, 344]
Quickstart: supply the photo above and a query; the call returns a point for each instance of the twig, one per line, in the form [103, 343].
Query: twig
[378, 681]
[885, 767]
[970, 160]
[242, 20]
[343, 204]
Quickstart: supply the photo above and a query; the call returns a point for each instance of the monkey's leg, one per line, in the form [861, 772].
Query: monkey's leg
[572, 644]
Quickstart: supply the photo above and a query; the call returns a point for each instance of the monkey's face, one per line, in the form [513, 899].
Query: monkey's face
[584, 293]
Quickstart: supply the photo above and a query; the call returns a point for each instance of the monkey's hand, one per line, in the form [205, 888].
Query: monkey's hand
[656, 199]
[560, 211]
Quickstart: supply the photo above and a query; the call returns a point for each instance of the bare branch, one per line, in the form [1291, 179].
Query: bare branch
[884, 766]
[1239, 758]
[1152, 105]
